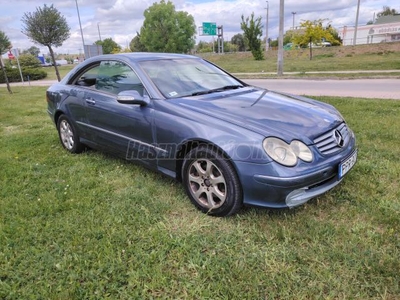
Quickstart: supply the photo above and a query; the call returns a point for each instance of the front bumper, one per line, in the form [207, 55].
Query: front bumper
[300, 193]
[290, 189]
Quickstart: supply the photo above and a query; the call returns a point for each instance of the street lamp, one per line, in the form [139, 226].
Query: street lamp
[266, 30]
[356, 27]
[80, 25]
[293, 13]
[98, 29]
[280, 39]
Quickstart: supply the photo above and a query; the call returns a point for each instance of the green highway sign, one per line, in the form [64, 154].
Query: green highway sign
[209, 28]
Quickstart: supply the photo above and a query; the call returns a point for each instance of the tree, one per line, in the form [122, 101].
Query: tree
[125, 50]
[32, 50]
[273, 43]
[228, 46]
[166, 30]
[337, 40]
[287, 37]
[109, 46]
[136, 45]
[387, 11]
[252, 33]
[313, 32]
[239, 41]
[5, 45]
[205, 47]
[47, 27]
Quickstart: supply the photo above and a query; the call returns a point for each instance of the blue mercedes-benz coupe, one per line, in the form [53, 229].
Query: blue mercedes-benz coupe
[229, 143]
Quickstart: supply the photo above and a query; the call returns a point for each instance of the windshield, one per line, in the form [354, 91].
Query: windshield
[188, 77]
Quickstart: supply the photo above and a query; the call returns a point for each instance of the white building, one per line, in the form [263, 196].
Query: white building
[385, 29]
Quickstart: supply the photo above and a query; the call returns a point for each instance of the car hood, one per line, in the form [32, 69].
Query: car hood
[267, 113]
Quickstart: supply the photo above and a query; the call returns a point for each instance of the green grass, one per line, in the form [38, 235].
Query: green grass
[324, 59]
[92, 226]
[296, 61]
[63, 70]
[305, 75]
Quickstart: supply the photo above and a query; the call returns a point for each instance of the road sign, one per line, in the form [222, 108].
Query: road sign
[10, 55]
[209, 28]
[15, 52]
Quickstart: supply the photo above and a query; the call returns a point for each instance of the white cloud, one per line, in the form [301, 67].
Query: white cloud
[121, 19]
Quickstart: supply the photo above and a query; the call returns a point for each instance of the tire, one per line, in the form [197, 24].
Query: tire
[211, 182]
[69, 138]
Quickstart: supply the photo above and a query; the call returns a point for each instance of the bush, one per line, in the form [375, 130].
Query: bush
[257, 54]
[29, 61]
[31, 73]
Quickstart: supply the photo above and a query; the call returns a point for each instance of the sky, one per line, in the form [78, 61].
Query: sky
[121, 19]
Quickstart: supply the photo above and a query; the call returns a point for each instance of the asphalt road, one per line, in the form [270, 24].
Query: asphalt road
[362, 88]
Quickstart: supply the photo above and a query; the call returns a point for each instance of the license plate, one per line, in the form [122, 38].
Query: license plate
[347, 164]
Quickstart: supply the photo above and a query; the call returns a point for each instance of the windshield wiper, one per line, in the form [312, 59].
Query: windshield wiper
[220, 89]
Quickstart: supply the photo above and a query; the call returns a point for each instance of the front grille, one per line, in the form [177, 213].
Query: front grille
[330, 142]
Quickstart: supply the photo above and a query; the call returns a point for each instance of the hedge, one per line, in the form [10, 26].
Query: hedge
[13, 75]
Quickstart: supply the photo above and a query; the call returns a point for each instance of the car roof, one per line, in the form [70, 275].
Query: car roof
[133, 57]
[141, 56]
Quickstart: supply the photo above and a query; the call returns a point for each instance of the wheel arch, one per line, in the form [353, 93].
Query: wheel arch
[57, 115]
[188, 146]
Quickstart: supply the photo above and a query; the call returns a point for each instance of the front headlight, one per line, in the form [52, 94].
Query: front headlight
[301, 151]
[279, 151]
[286, 154]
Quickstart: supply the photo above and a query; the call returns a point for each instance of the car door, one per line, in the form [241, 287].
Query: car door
[75, 104]
[123, 129]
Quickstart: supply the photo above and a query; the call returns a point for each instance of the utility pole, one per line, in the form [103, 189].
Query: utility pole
[98, 29]
[355, 28]
[293, 13]
[280, 39]
[266, 29]
[80, 25]
[220, 39]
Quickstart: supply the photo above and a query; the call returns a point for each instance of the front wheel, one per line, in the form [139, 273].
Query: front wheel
[68, 136]
[211, 182]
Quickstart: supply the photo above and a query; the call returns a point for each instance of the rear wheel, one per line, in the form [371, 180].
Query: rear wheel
[211, 182]
[68, 135]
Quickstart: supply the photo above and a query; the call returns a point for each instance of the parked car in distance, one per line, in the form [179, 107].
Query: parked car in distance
[229, 143]
[326, 44]
[288, 46]
[61, 62]
[46, 64]
[320, 45]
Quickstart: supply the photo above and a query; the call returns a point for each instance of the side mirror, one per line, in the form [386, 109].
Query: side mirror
[132, 97]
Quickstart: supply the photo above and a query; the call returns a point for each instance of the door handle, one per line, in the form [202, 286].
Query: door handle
[90, 101]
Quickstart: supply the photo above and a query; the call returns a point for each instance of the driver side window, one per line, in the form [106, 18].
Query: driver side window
[115, 77]
[88, 79]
